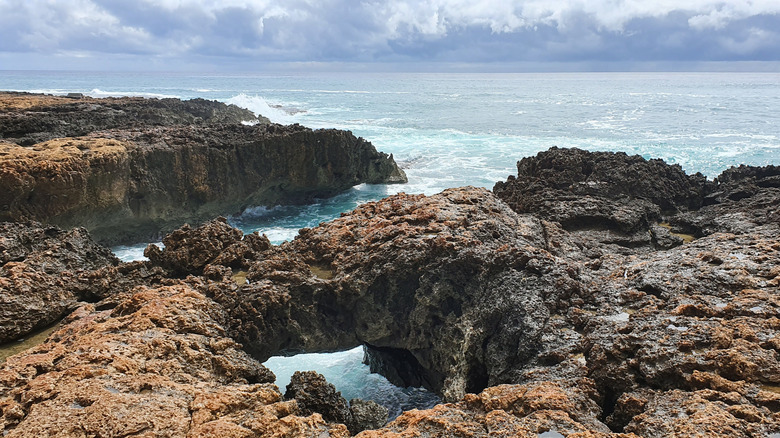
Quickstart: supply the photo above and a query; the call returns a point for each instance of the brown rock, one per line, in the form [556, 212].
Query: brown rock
[40, 269]
[156, 365]
[132, 169]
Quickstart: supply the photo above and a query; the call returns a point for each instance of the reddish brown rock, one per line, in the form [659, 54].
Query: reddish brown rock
[525, 326]
[156, 365]
[502, 411]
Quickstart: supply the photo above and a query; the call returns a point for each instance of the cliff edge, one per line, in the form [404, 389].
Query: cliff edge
[132, 169]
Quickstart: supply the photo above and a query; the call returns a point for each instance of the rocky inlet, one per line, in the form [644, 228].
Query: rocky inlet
[591, 295]
[132, 169]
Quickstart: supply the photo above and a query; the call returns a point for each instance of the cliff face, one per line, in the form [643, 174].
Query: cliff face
[523, 323]
[141, 181]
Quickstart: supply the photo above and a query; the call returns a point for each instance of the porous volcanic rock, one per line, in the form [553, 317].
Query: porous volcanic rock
[524, 411]
[158, 364]
[412, 276]
[27, 119]
[148, 177]
[314, 394]
[601, 190]
[40, 267]
[524, 324]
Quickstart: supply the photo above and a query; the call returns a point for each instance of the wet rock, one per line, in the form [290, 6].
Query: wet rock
[140, 180]
[40, 270]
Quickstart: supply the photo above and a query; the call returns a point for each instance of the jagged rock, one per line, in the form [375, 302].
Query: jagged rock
[744, 197]
[366, 415]
[158, 364]
[27, 119]
[558, 332]
[600, 190]
[314, 394]
[150, 176]
[412, 276]
[529, 410]
[40, 268]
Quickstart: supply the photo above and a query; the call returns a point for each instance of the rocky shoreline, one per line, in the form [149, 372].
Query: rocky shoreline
[591, 295]
[132, 169]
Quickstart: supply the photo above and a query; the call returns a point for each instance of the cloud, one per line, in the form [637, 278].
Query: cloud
[395, 30]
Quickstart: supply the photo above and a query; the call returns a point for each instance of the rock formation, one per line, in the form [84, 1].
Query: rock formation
[134, 169]
[527, 323]
[39, 269]
[27, 119]
[158, 364]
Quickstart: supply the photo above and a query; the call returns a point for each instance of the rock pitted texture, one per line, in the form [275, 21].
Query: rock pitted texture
[170, 163]
[158, 364]
[40, 268]
[601, 190]
[411, 275]
[525, 324]
[27, 119]
[315, 395]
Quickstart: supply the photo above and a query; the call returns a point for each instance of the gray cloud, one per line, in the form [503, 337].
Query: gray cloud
[251, 31]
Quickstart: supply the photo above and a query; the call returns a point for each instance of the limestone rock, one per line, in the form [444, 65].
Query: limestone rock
[158, 364]
[366, 415]
[27, 119]
[156, 165]
[601, 190]
[39, 273]
[314, 394]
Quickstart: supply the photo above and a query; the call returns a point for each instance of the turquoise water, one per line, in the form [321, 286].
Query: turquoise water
[449, 130]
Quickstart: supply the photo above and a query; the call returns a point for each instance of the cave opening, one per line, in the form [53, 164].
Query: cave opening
[352, 377]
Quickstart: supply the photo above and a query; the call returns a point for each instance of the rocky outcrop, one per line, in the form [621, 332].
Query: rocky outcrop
[410, 275]
[40, 269]
[158, 364]
[602, 191]
[526, 325]
[27, 119]
[149, 175]
[315, 395]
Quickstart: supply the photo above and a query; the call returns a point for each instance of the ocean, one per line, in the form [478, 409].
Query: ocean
[450, 130]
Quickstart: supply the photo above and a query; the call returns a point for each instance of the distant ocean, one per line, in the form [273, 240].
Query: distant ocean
[450, 130]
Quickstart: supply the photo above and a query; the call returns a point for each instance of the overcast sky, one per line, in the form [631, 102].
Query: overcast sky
[256, 34]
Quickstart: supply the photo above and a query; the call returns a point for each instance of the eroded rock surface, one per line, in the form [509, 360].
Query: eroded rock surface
[40, 269]
[526, 324]
[135, 169]
[158, 364]
[27, 119]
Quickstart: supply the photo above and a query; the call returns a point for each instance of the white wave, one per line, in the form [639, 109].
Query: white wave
[96, 92]
[261, 107]
[352, 378]
[51, 91]
[131, 253]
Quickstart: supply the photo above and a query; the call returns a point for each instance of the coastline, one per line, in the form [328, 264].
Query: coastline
[566, 300]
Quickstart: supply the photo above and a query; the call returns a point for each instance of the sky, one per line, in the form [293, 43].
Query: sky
[390, 34]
